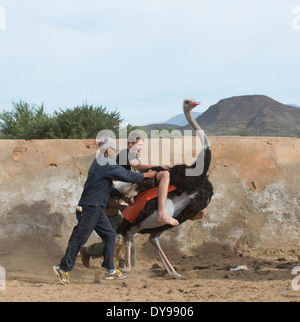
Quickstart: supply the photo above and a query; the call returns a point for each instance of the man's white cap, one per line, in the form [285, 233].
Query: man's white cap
[106, 143]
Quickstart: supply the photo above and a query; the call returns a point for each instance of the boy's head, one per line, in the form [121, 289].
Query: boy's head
[135, 143]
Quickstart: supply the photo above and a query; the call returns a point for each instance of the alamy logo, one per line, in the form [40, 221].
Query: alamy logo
[296, 21]
[157, 150]
[2, 279]
[2, 19]
[295, 285]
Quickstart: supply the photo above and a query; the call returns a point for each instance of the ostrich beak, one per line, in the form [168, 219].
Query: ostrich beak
[194, 104]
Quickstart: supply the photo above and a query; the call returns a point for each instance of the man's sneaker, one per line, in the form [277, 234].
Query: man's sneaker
[115, 275]
[62, 275]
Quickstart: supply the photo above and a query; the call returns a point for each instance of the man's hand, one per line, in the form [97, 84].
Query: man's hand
[150, 174]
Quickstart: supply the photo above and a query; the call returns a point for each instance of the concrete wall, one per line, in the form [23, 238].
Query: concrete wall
[256, 202]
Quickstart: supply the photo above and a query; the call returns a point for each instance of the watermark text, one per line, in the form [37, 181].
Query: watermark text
[161, 148]
[2, 19]
[295, 24]
[295, 285]
[2, 279]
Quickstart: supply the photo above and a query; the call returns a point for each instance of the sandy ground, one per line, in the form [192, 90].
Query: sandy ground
[207, 277]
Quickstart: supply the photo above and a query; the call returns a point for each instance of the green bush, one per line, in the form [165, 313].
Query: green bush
[25, 122]
[241, 132]
[31, 122]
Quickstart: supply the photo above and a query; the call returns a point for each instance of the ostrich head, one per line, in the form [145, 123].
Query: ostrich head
[189, 104]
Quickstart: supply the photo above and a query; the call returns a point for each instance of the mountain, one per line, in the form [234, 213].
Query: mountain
[294, 105]
[255, 115]
[180, 119]
[151, 127]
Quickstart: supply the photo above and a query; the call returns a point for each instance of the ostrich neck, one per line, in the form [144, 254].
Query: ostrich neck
[190, 118]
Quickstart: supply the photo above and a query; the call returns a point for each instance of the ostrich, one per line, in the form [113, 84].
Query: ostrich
[192, 195]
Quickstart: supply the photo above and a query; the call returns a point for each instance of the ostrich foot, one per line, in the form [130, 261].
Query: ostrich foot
[166, 219]
[126, 269]
[176, 275]
[119, 248]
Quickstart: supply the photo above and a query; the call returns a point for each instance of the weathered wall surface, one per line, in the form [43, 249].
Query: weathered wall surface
[256, 202]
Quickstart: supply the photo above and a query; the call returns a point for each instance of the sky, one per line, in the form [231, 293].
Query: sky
[142, 57]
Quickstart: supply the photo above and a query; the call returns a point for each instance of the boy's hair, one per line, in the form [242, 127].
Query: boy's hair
[134, 136]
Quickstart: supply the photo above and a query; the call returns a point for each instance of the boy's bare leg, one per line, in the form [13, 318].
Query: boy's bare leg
[163, 179]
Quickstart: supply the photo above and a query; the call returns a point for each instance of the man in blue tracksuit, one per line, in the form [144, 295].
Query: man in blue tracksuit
[94, 198]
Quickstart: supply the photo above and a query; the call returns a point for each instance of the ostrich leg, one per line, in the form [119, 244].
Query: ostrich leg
[128, 243]
[153, 239]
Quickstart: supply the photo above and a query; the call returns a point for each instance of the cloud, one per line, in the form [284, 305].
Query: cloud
[144, 57]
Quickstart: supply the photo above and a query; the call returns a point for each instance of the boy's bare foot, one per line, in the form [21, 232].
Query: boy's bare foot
[165, 218]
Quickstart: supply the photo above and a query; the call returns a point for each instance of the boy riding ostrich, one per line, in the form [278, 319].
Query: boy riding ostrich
[188, 195]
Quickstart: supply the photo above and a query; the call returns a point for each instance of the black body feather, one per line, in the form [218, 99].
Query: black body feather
[188, 184]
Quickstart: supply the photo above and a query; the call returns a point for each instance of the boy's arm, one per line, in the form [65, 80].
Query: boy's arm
[141, 167]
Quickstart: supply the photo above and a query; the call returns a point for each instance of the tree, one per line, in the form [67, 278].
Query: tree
[31, 122]
[241, 132]
[24, 122]
[164, 131]
[84, 122]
